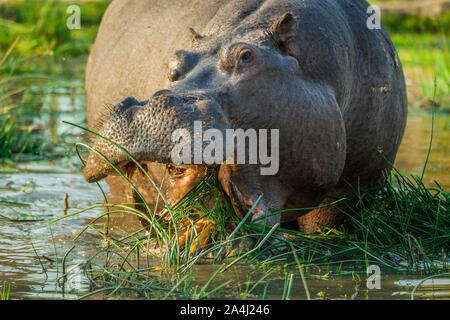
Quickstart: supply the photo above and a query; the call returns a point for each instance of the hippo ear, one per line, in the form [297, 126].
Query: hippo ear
[283, 29]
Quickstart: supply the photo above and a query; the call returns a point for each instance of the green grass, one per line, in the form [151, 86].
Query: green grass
[47, 57]
[15, 138]
[41, 26]
[426, 62]
[5, 292]
[415, 24]
[39, 58]
[400, 225]
[27, 125]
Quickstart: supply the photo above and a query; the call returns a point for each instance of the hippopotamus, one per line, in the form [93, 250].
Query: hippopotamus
[314, 70]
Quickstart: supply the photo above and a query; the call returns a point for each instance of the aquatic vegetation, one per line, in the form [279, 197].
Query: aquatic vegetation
[404, 226]
[401, 225]
[41, 26]
[12, 139]
[34, 51]
[21, 135]
[426, 61]
[5, 292]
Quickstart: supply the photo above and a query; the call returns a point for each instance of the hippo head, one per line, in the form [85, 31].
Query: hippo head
[228, 79]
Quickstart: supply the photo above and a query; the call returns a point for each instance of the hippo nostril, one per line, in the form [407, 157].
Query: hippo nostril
[166, 98]
[126, 108]
[129, 102]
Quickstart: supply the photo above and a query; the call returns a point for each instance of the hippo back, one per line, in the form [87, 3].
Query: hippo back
[134, 42]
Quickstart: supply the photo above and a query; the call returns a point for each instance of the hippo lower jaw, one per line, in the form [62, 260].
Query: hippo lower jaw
[98, 167]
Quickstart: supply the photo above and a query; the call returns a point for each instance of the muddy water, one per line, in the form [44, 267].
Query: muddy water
[32, 195]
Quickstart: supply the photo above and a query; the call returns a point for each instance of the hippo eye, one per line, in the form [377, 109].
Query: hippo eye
[246, 56]
[175, 171]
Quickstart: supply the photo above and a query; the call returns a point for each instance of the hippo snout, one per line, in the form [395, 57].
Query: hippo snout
[144, 130]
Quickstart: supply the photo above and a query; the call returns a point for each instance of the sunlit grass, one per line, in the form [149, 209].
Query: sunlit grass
[42, 27]
[5, 291]
[426, 61]
[34, 50]
[400, 224]
[21, 136]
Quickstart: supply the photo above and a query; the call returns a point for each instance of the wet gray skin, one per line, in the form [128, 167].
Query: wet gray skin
[312, 69]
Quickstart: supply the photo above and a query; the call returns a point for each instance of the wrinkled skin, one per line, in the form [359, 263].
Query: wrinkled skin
[311, 69]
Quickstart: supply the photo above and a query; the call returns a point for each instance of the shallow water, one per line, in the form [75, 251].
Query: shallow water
[30, 250]
[416, 142]
[32, 195]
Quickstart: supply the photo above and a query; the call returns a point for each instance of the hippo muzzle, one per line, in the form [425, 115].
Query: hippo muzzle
[145, 130]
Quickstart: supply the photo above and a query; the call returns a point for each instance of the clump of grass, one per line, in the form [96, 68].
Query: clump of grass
[426, 61]
[18, 135]
[28, 112]
[404, 216]
[400, 224]
[5, 293]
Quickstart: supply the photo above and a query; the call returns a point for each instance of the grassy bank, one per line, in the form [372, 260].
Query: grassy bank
[41, 28]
